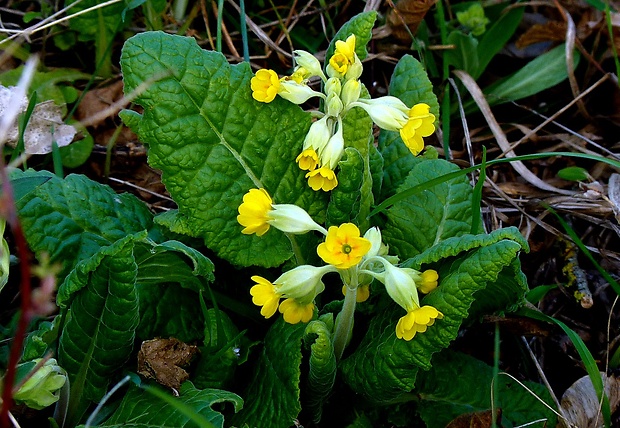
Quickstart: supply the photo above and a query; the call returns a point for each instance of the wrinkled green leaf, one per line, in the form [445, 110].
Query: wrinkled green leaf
[38, 342]
[539, 74]
[213, 142]
[98, 336]
[425, 219]
[411, 84]
[322, 374]
[384, 367]
[458, 384]
[168, 310]
[272, 399]
[57, 216]
[141, 409]
[360, 25]
[344, 203]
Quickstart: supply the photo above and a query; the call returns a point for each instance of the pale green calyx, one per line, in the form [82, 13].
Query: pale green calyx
[399, 285]
[334, 105]
[297, 93]
[350, 92]
[303, 283]
[334, 149]
[292, 219]
[318, 135]
[333, 86]
[43, 388]
[388, 113]
[309, 62]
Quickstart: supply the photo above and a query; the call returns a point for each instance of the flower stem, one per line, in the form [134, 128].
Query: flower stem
[296, 249]
[344, 321]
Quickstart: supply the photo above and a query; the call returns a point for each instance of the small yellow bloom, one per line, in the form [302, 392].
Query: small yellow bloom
[308, 160]
[428, 281]
[416, 321]
[294, 312]
[363, 292]
[420, 124]
[254, 212]
[265, 85]
[347, 48]
[264, 294]
[339, 63]
[322, 178]
[343, 246]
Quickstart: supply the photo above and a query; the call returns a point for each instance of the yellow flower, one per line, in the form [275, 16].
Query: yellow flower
[265, 85]
[294, 312]
[308, 160]
[343, 246]
[416, 321]
[428, 281]
[363, 292]
[339, 64]
[254, 212]
[343, 57]
[322, 178]
[257, 213]
[264, 294]
[420, 124]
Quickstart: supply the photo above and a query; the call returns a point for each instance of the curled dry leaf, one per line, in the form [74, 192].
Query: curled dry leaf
[613, 191]
[164, 360]
[409, 13]
[45, 125]
[580, 403]
[476, 420]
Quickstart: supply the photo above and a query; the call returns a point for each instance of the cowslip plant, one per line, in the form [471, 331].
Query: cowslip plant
[285, 196]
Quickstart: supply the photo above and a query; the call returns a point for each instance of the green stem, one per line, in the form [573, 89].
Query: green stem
[296, 249]
[344, 321]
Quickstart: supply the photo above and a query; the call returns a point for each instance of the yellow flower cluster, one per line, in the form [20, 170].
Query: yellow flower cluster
[324, 143]
[358, 259]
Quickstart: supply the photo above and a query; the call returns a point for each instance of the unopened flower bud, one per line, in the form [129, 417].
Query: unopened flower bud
[43, 388]
[355, 70]
[333, 86]
[297, 93]
[334, 105]
[310, 63]
[334, 149]
[350, 92]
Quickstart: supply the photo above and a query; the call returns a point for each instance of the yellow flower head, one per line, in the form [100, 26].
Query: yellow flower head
[339, 63]
[308, 160]
[416, 321]
[254, 212]
[347, 48]
[322, 178]
[265, 85]
[420, 124]
[264, 294]
[428, 281]
[343, 246]
[294, 312]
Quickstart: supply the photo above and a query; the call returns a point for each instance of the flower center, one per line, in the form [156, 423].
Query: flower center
[346, 248]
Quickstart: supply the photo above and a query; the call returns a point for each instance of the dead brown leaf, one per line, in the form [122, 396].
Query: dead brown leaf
[164, 360]
[581, 405]
[550, 31]
[98, 100]
[476, 420]
[407, 13]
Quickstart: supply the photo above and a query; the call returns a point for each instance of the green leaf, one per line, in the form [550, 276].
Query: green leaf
[458, 384]
[168, 310]
[141, 409]
[465, 54]
[539, 74]
[322, 374]
[344, 204]
[573, 173]
[272, 399]
[89, 24]
[496, 37]
[173, 261]
[376, 170]
[383, 367]
[213, 142]
[47, 84]
[57, 216]
[221, 352]
[411, 84]
[98, 336]
[78, 152]
[360, 25]
[441, 212]
[38, 342]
